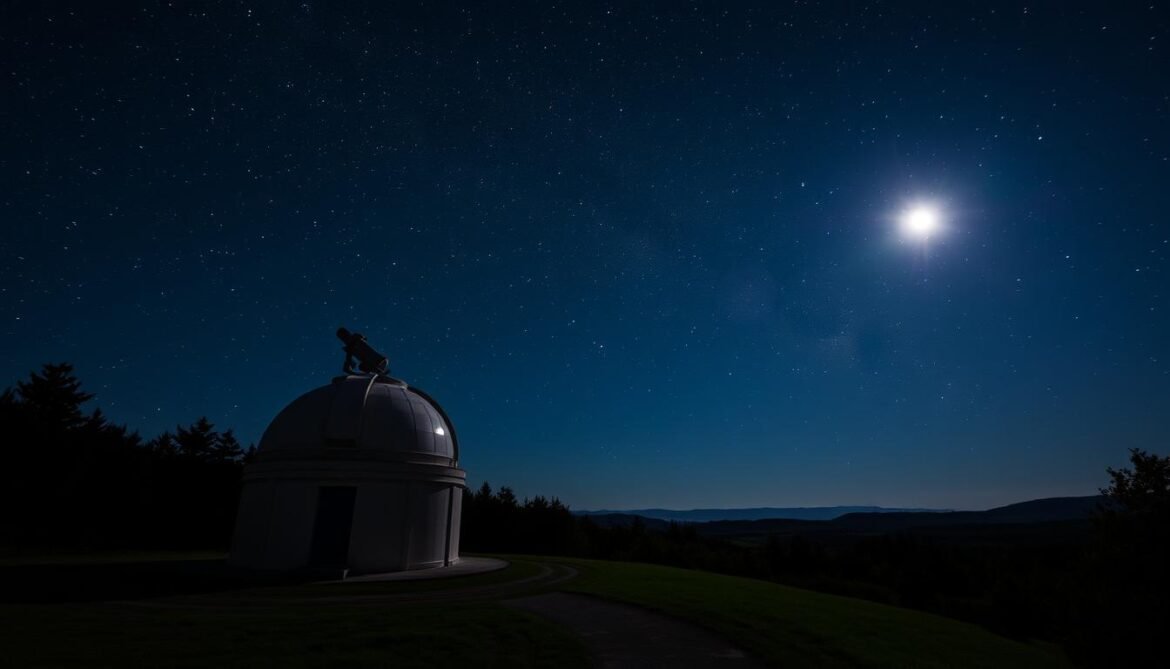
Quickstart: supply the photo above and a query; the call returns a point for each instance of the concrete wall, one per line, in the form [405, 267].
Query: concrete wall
[396, 524]
[274, 525]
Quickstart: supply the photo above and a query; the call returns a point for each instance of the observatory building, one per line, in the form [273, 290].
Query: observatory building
[360, 475]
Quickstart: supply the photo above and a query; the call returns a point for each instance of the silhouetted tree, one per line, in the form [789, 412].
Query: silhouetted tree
[227, 448]
[1121, 615]
[53, 398]
[164, 445]
[197, 441]
[498, 522]
[1144, 491]
[76, 480]
[507, 498]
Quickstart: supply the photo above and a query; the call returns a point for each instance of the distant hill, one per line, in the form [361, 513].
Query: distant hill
[1055, 510]
[1034, 511]
[1062, 510]
[758, 513]
[627, 519]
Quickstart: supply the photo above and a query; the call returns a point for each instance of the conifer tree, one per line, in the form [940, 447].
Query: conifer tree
[227, 448]
[198, 441]
[53, 398]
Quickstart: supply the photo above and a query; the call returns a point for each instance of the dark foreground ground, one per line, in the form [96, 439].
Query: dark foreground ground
[147, 611]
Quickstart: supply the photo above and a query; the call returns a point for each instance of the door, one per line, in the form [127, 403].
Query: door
[330, 547]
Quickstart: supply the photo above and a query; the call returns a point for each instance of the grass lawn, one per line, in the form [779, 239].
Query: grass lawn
[405, 635]
[223, 629]
[17, 559]
[789, 627]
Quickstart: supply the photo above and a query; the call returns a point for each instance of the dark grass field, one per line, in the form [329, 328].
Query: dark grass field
[414, 635]
[185, 612]
[790, 627]
[195, 613]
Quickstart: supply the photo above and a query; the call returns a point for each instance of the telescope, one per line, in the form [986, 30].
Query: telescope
[356, 347]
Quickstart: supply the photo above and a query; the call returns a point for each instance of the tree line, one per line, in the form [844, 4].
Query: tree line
[75, 481]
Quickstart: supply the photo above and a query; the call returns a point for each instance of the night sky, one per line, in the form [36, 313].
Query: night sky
[645, 254]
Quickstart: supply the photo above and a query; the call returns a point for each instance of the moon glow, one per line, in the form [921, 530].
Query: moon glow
[921, 221]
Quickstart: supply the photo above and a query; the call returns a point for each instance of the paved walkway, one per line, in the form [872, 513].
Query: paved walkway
[464, 567]
[622, 636]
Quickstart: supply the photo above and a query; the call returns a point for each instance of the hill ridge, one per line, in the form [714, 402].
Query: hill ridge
[1043, 510]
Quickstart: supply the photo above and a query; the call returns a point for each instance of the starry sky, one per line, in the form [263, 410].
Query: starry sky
[645, 254]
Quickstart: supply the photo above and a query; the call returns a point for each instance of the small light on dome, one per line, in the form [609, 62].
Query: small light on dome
[440, 431]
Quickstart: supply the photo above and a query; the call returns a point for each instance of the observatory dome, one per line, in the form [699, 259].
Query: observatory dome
[362, 417]
[358, 476]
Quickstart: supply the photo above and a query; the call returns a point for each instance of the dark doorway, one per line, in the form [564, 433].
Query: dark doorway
[330, 546]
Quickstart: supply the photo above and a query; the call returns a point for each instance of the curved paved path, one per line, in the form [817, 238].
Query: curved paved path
[621, 636]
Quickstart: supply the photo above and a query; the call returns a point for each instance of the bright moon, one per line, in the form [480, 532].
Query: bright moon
[920, 221]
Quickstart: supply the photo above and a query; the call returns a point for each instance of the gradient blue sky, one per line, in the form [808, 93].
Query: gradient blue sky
[644, 255]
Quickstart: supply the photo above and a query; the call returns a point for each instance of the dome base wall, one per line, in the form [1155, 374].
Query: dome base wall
[400, 523]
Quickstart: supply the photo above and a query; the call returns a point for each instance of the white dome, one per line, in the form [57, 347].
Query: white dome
[362, 417]
[361, 475]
